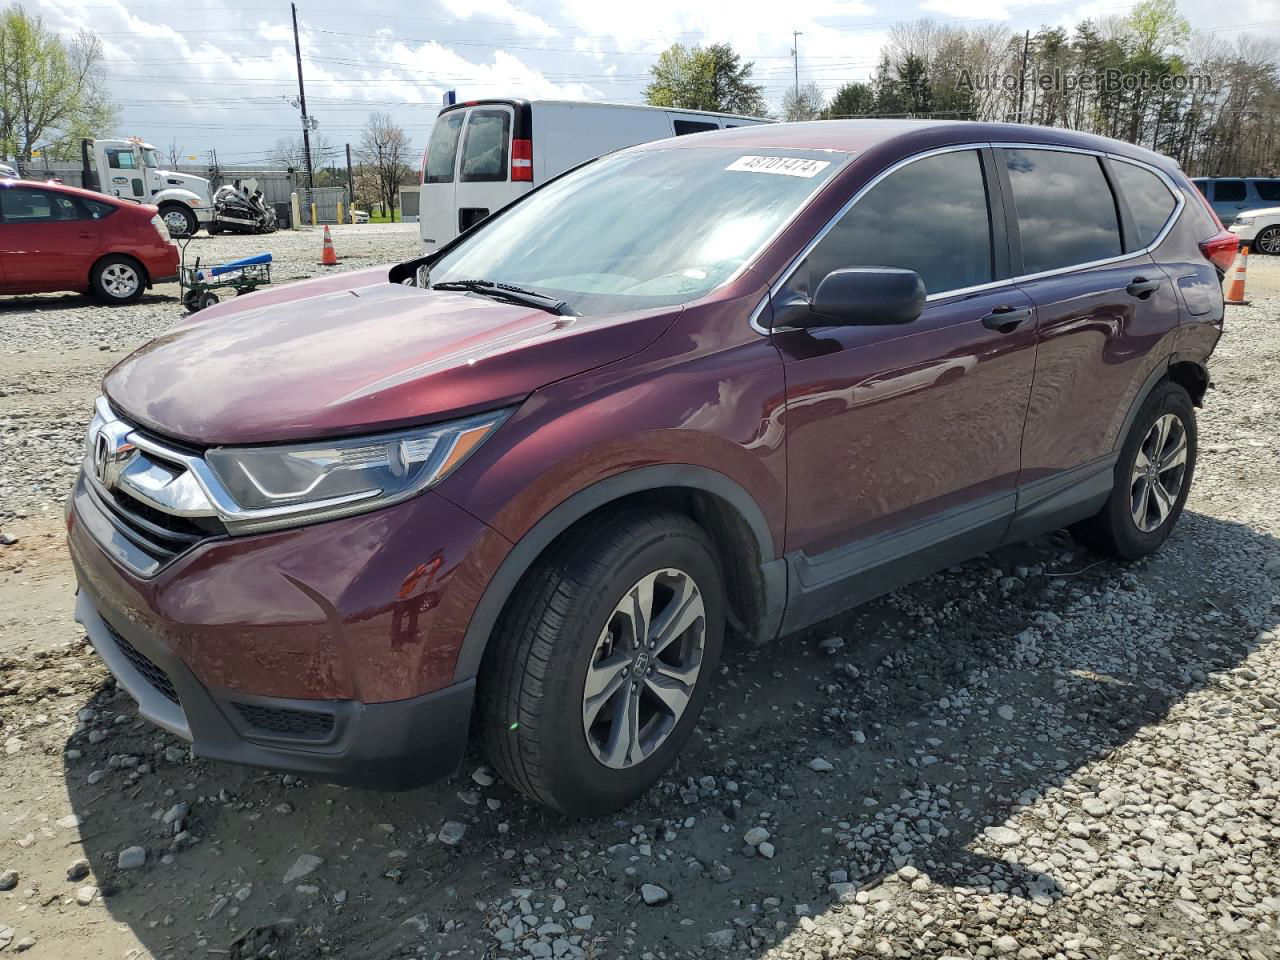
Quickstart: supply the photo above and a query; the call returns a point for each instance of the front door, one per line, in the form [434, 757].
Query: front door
[123, 175]
[46, 240]
[903, 441]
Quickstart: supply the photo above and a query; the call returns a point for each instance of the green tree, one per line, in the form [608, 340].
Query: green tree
[853, 99]
[704, 78]
[52, 91]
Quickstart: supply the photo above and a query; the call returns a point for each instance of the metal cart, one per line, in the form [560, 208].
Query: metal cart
[199, 283]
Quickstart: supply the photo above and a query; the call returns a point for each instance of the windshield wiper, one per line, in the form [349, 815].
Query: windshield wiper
[508, 292]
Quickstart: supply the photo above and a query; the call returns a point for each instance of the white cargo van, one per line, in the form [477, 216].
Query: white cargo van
[483, 154]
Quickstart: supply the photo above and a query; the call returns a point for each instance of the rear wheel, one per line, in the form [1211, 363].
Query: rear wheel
[603, 660]
[1268, 241]
[117, 279]
[179, 220]
[1152, 478]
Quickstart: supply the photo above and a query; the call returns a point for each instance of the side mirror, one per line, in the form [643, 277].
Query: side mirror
[864, 296]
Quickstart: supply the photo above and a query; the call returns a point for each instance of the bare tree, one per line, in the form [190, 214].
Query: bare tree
[385, 150]
[175, 154]
[807, 103]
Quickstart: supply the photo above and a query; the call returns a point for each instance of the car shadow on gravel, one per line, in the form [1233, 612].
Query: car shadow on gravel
[45, 302]
[944, 710]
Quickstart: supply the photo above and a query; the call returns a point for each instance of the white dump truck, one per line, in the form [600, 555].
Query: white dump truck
[131, 170]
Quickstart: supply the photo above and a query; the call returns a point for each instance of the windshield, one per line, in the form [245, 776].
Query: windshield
[645, 229]
[150, 158]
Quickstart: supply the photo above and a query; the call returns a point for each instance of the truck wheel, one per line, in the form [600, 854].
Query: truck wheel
[117, 279]
[180, 221]
[1152, 479]
[602, 661]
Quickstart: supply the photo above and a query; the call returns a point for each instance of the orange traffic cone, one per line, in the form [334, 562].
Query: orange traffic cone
[1235, 289]
[327, 257]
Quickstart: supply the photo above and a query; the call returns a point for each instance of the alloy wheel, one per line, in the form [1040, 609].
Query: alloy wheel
[644, 668]
[1159, 471]
[1268, 241]
[120, 281]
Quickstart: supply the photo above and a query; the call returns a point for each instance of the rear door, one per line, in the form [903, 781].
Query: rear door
[46, 240]
[437, 221]
[484, 164]
[1108, 313]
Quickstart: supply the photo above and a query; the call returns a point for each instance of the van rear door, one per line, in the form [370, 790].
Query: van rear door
[484, 167]
[437, 222]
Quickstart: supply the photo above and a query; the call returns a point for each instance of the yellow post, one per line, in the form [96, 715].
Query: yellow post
[314, 222]
[340, 211]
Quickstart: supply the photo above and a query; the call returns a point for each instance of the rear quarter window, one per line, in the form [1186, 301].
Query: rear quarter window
[1268, 190]
[683, 127]
[1149, 200]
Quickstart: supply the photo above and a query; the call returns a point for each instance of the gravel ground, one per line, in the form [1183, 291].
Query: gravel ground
[1036, 754]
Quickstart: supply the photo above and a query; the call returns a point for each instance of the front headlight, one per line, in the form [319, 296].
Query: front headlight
[1243, 221]
[328, 479]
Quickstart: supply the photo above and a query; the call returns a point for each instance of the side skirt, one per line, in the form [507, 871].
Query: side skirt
[829, 583]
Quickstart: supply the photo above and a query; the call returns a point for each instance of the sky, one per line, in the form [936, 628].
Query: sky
[220, 75]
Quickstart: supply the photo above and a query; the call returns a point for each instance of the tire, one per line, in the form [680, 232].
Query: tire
[208, 300]
[1132, 526]
[1268, 241]
[562, 622]
[180, 221]
[118, 279]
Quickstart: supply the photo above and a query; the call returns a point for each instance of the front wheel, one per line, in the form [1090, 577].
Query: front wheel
[1152, 478]
[179, 221]
[1268, 241]
[603, 660]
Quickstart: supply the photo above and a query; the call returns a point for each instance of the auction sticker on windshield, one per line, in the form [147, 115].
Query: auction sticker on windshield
[786, 166]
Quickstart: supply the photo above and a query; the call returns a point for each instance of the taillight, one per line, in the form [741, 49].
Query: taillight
[522, 160]
[1220, 249]
[422, 177]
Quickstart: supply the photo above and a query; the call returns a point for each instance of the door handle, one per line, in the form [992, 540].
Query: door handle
[1006, 319]
[1142, 288]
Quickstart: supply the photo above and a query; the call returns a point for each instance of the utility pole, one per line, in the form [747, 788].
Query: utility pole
[302, 102]
[795, 55]
[351, 184]
[1022, 75]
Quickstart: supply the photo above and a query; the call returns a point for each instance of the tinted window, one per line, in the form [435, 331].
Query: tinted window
[1202, 186]
[930, 216]
[1268, 189]
[692, 126]
[1066, 213]
[1149, 200]
[36, 206]
[442, 148]
[1229, 191]
[121, 159]
[484, 153]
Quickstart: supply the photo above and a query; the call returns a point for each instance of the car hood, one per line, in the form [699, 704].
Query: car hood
[1260, 212]
[352, 354]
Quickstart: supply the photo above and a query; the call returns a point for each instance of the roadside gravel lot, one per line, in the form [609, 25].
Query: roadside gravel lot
[1034, 755]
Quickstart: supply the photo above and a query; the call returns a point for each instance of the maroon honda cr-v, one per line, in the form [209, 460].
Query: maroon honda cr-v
[732, 384]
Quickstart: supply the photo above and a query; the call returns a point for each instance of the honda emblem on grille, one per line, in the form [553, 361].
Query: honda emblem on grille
[111, 453]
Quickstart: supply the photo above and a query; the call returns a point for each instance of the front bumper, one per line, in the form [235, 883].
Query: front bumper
[328, 650]
[384, 746]
[1245, 233]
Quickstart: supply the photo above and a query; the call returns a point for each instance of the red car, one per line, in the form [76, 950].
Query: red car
[711, 388]
[54, 237]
